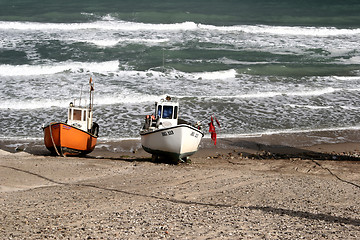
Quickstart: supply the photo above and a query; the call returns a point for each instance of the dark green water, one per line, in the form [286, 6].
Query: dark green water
[269, 12]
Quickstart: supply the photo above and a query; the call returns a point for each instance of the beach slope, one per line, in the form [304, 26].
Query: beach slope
[256, 191]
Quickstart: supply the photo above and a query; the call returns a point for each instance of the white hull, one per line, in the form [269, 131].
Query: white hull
[178, 142]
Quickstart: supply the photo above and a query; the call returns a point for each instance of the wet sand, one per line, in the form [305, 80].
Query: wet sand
[266, 187]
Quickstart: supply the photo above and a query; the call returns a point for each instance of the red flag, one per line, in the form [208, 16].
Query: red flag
[212, 130]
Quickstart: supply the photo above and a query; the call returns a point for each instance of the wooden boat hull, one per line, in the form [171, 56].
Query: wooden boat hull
[176, 142]
[63, 139]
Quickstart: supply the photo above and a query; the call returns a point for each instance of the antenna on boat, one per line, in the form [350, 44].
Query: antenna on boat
[163, 66]
[80, 95]
[91, 92]
[163, 62]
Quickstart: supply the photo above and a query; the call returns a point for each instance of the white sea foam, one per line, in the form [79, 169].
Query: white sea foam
[114, 42]
[352, 60]
[104, 43]
[287, 131]
[176, 74]
[129, 98]
[232, 61]
[309, 106]
[30, 70]
[118, 25]
[125, 97]
[227, 74]
[284, 30]
[350, 108]
[32, 104]
[259, 95]
[104, 25]
[315, 92]
[271, 94]
[347, 78]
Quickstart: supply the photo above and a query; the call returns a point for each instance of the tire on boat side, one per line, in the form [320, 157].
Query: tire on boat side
[95, 129]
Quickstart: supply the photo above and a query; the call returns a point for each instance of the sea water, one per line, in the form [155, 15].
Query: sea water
[257, 66]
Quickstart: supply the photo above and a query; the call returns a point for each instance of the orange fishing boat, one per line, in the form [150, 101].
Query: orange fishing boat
[76, 136]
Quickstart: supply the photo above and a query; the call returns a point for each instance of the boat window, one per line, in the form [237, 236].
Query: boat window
[84, 115]
[77, 115]
[168, 110]
[175, 112]
[159, 110]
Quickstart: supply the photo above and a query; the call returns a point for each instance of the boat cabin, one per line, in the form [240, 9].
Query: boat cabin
[166, 111]
[80, 117]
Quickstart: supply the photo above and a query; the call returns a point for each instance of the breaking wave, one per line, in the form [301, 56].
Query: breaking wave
[31, 70]
[118, 25]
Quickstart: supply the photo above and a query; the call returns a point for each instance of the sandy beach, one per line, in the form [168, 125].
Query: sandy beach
[266, 187]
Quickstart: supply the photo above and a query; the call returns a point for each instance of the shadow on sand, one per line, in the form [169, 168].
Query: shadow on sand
[264, 151]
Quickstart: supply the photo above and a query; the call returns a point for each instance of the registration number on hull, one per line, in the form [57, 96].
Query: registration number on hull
[167, 133]
[171, 132]
[193, 134]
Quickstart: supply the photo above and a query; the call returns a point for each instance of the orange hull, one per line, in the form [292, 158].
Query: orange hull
[68, 140]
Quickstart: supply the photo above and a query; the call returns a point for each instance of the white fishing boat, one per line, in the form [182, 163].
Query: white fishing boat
[163, 134]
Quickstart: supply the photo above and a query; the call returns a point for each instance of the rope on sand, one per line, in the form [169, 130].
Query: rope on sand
[52, 139]
[333, 174]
